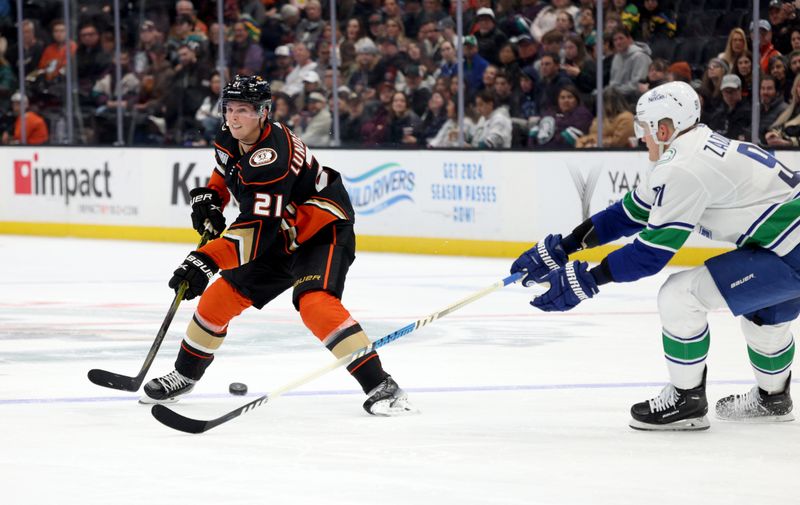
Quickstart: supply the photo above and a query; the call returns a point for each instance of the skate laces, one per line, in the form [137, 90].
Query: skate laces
[664, 400]
[174, 380]
[746, 401]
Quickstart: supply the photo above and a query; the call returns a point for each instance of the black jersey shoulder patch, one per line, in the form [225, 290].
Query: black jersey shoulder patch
[263, 156]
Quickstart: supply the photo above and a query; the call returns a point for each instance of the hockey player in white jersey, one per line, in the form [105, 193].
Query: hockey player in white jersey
[726, 190]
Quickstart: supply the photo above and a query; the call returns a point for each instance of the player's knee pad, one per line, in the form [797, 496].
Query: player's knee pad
[766, 338]
[685, 299]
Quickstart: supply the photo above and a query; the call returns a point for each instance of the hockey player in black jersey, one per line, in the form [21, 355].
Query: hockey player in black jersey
[294, 230]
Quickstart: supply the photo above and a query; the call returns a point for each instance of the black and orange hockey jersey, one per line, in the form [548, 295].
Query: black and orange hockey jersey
[285, 196]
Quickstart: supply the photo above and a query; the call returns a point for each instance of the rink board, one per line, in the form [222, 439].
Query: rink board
[478, 203]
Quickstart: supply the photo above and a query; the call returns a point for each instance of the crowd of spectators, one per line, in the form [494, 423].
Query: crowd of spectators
[529, 68]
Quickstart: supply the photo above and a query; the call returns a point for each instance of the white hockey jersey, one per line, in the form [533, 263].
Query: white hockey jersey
[724, 189]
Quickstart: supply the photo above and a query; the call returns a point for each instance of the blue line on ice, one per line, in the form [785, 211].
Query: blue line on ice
[445, 389]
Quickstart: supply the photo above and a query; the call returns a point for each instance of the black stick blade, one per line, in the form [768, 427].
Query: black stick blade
[114, 380]
[172, 419]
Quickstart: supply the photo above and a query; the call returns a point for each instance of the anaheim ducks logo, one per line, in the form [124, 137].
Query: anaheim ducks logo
[263, 157]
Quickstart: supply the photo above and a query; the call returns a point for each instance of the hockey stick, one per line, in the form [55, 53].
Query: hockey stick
[179, 422]
[125, 383]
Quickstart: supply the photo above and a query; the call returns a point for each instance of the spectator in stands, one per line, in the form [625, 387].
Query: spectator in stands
[551, 80]
[552, 42]
[509, 62]
[578, 66]
[489, 75]
[303, 64]
[565, 23]
[587, 26]
[92, 62]
[781, 26]
[504, 93]
[528, 106]
[432, 9]
[779, 69]
[417, 93]
[394, 30]
[617, 123]
[785, 131]
[431, 39]
[209, 115]
[679, 71]
[735, 47]
[710, 90]
[767, 50]
[656, 21]
[376, 28]
[54, 56]
[432, 119]
[772, 105]
[255, 10]
[354, 31]
[32, 48]
[155, 85]
[656, 75]
[375, 130]
[743, 67]
[794, 62]
[369, 72]
[8, 78]
[630, 64]
[106, 89]
[493, 130]
[283, 66]
[283, 109]
[403, 121]
[447, 28]
[546, 19]
[186, 8]
[246, 56]
[35, 127]
[527, 50]
[489, 37]
[184, 32]
[391, 10]
[449, 64]
[563, 125]
[795, 39]
[733, 118]
[314, 124]
[447, 136]
[412, 18]
[188, 89]
[351, 109]
[628, 14]
[290, 19]
[309, 28]
[474, 64]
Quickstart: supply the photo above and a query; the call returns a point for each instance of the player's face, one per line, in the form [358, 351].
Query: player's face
[243, 120]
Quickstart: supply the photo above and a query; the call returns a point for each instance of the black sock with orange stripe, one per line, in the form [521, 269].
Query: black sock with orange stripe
[192, 362]
[368, 371]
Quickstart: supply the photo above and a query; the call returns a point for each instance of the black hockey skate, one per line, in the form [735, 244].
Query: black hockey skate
[167, 389]
[387, 399]
[756, 406]
[673, 409]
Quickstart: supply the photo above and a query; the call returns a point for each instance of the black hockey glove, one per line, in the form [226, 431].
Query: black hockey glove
[197, 269]
[207, 211]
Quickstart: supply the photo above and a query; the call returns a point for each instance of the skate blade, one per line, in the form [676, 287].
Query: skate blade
[758, 420]
[393, 409]
[694, 424]
[146, 400]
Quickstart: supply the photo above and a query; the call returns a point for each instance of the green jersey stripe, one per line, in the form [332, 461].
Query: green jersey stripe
[773, 363]
[665, 238]
[783, 217]
[686, 351]
[634, 211]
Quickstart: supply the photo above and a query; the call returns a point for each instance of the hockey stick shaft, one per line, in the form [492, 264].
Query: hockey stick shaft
[170, 418]
[123, 382]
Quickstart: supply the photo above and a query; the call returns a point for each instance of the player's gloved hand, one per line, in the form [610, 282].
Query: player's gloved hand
[197, 269]
[569, 286]
[539, 260]
[207, 211]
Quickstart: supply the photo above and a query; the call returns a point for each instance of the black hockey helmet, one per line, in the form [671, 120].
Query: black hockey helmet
[250, 89]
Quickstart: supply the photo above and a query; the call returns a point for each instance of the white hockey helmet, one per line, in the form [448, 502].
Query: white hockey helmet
[676, 100]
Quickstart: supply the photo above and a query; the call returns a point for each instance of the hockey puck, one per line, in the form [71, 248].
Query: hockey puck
[237, 388]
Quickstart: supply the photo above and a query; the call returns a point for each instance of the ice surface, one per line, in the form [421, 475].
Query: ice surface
[519, 406]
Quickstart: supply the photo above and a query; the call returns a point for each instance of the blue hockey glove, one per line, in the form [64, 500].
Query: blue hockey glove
[569, 286]
[540, 260]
